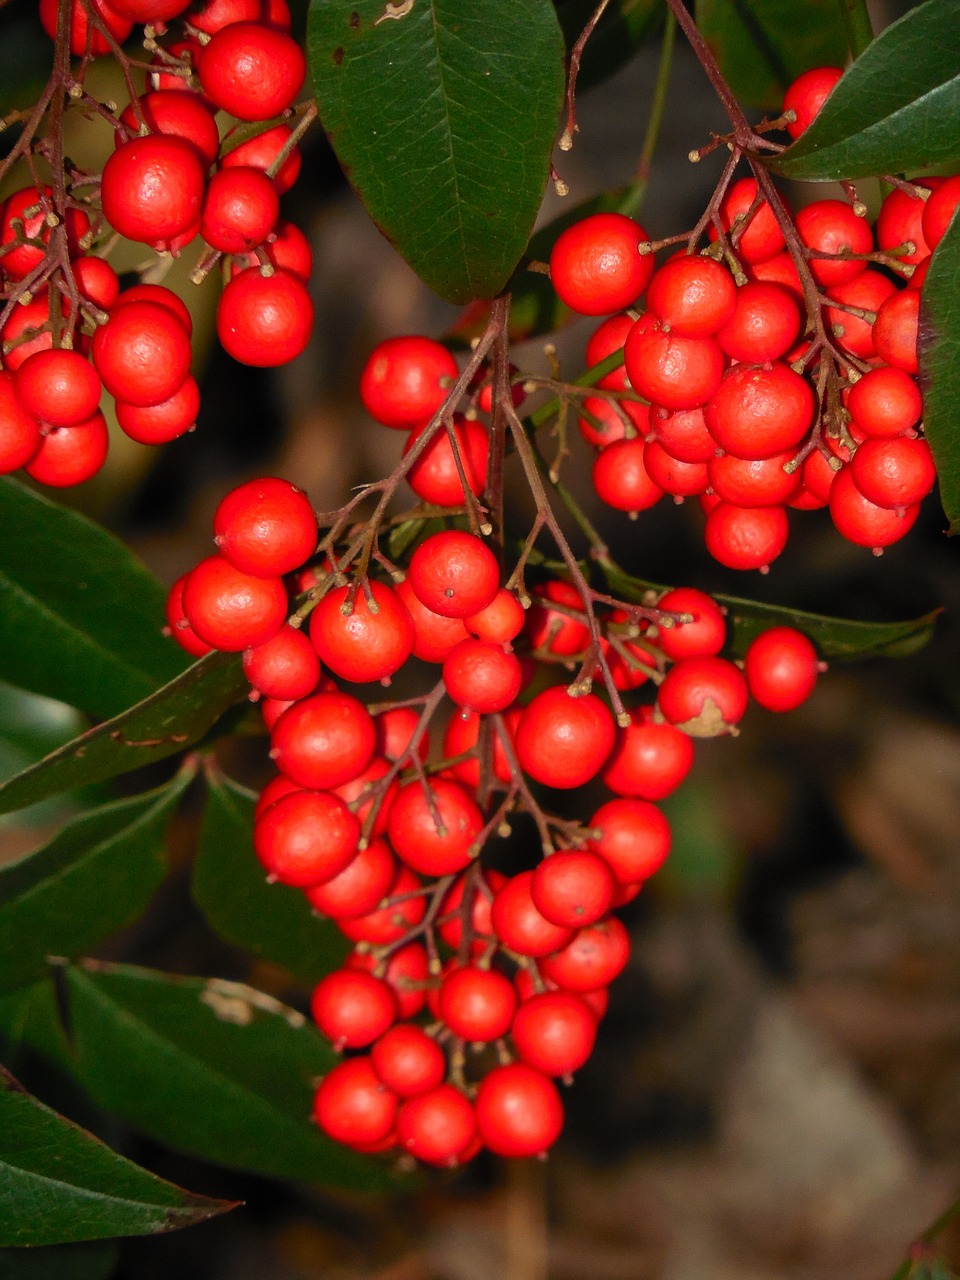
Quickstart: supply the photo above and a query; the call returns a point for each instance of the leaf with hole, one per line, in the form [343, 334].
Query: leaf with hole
[212, 1068]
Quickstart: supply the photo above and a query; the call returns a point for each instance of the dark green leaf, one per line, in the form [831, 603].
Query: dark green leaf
[59, 1183]
[230, 888]
[940, 367]
[622, 29]
[212, 1068]
[443, 115]
[834, 637]
[95, 875]
[80, 618]
[88, 1260]
[170, 720]
[897, 107]
[763, 45]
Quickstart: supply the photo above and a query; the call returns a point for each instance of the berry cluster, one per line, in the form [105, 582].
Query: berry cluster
[68, 329]
[469, 991]
[774, 369]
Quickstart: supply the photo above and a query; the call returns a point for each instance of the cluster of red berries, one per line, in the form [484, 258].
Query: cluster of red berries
[760, 375]
[468, 991]
[67, 329]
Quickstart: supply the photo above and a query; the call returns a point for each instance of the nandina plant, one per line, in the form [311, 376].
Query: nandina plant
[760, 364]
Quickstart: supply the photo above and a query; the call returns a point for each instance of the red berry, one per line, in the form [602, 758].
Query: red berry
[142, 353]
[163, 422]
[621, 478]
[232, 610]
[434, 834]
[592, 959]
[633, 839]
[519, 1112]
[454, 574]
[885, 402]
[670, 370]
[764, 325]
[759, 411]
[438, 1126]
[285, 666]
[781, 668]
[252, 70]
[693, 295]
[938, 211]
[353, 1008]
[152, 188]
[862, 521]
[519, 925]
[477, 1004]
[704, 632]
[648, 760]
[703, 695]
[572, 887]
[435, 476]
[370, 641]
[806, 96]
[564, 741]
[70, 455]
[408, 1061]
[240, 209]
[261, 152]
[324, 740]
[262, 320]
[180, 114]
[831, 227]
[265, 527]
[758, 239]
[434, 635]
[554, 1032]
[405, 380]
[360, 887]
[481, 677]
[305, 838]
[353, 1105]
[896, 328]
[595, 264]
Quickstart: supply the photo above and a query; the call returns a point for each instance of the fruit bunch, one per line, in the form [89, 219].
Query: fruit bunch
[469, 991]
[774, 368]
[68, 329]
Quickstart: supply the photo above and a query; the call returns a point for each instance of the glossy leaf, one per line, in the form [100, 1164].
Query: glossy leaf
[170, 720]
[621, 31]
[897, 107]
[59, 1183]
[940, 367]
[836, 638]
[212, 1068]
[231, 889]
[95, 875]
[443, 116]
[763, 45]
[80, 617]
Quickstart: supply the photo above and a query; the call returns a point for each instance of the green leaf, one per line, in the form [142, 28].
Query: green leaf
[621, 31]
[88, 1260]
[212, 1068]
[80, 619]
[763, 45]
[58, 1183]
[897, 108]
[939, 349]
[835, 637]
[443, 116]
[95, 875]
[230, 888]
[169, 721]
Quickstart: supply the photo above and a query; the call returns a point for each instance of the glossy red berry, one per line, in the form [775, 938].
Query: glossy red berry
[781, 667]
[353, 1008]
[360, 887]
[896, 329]
[477, 1004]
[519, 925]
[163, 422]
[265, 320]
[759, 411]
[435, 834]
[692, 295]
[621, 478]
[633, 838]
[406, 379]
[750, 222]
[554, 1032]
[519, 1112]
[285, 666]
[240, 209]
[862, 521]
[482, 677]
[596, 266]
[573, 887]
[764, 325]
[745, 537]
[669, 369]
[704, 631]
[232, 610]
[324, 740]
[353, 1105]
[70, 455]
[251, 70]
[703, 695]
[434, 635]
[58, 387]
[362, 640]
[305, 837]
[648, 761]
[564, 741]
[435, 476]
[832, 227]
[180, 114]
[19, 430]
[265, 527]
[938, 211]
[885, 402]
[454, 574]
[437, 1126]
[408, 1061]
[592, 959]
[806, 97]
[152, 188]
[142, 353]
[894, 473]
